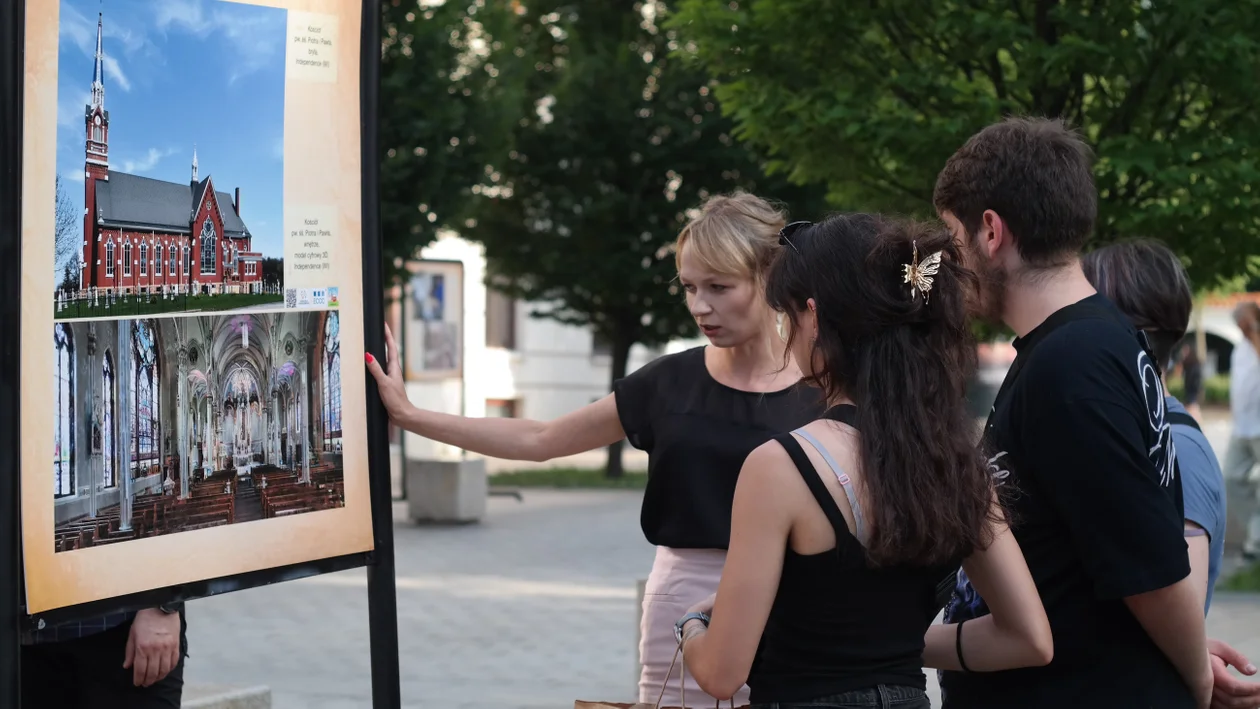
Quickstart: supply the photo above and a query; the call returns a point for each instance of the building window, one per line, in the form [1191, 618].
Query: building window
[107, 422]
[187, 260]
[144, 259]
[63, 401]
[332, 381]
[144, 388]
[207, 247]
[501, 408]
[109, 259]
[126, 259]
[157, 260]
[500, 320]
[98, 135]
[174, 252]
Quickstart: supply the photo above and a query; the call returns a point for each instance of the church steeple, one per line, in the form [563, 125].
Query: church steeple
[194, 164]
[98, 73]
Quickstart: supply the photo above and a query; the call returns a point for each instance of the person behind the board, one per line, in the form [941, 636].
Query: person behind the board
[844, 530]
[697, 413]
[1078, 430]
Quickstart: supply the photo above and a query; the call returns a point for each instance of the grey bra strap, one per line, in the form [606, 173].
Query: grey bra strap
[843, 477]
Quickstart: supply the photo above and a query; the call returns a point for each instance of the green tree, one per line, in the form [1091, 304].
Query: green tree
[872, 98]
[437, 117]
[617, 140]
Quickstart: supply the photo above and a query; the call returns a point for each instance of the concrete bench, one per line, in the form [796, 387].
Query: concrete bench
[214, 697]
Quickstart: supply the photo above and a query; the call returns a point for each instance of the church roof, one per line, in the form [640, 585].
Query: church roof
[142, 202]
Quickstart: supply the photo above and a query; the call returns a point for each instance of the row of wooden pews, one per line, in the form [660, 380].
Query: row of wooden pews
[283, 494]
[212, 503]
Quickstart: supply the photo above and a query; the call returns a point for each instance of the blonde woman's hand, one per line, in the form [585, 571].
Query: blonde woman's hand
[390, 380]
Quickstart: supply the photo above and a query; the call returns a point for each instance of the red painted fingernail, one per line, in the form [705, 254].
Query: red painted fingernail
[368, 356]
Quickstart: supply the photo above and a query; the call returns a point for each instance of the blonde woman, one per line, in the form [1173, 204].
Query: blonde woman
[697, 414]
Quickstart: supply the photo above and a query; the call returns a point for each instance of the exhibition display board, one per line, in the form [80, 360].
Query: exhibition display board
[190, 254]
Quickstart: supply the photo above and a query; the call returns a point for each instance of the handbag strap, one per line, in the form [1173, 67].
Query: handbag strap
[682, 677]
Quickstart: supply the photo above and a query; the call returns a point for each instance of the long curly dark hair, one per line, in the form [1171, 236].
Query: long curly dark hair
[904, 360]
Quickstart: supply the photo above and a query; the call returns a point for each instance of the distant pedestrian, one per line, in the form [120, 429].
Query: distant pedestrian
[1244, 444]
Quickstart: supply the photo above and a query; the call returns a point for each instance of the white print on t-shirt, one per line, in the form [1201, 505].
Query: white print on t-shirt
[1161, 454]
[998, 472]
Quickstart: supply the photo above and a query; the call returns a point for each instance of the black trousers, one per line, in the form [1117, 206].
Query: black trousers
[87, 673]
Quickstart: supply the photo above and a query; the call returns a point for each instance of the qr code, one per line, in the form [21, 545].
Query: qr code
[290, 297]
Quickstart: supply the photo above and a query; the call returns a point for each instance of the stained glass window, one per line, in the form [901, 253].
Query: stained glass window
[157, 260]
[332, 380]
[144, 385]
[126, 259]
[63, 402]
[109, 259]
[144, 259]
[207, 246]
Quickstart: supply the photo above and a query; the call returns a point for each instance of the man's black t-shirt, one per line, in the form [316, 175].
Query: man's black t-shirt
[1079, 430]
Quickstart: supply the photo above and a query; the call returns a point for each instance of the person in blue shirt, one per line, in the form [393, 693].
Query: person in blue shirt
[1147, 283]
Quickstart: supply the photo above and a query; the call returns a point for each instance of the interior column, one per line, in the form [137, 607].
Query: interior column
[181, 424]
[125, 410]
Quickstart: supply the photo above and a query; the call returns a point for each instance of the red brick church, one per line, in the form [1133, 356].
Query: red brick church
[142, 235]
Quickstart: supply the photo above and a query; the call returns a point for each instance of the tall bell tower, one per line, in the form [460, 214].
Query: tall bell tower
[96, 162]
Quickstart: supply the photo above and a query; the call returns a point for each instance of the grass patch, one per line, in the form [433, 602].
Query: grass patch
[569, 478]
[1245, 579]
[139, 305]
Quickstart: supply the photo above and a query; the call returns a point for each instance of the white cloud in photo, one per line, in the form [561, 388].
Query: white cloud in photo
[252, 40]
[146, 163]
[80, 30]
[70, 108]
[75, 176]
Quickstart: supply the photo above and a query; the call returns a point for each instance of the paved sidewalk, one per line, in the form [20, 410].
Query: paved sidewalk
[531, 609]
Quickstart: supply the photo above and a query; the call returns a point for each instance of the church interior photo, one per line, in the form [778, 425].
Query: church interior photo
[172, 424]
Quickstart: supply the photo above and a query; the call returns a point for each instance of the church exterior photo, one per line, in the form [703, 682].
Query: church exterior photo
[168, 425]
[147, 236]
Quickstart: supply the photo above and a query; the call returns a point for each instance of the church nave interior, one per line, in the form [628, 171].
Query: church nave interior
[174, 424]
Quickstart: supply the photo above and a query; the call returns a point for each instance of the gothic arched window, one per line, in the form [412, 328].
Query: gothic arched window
[187, 260]
[109, 258]
[207, 246]
[108, 479]
[127, 259]
[63, 402]
[144, 385]
[157, 260]
[144, 259]
[174, 252]
[332, 380]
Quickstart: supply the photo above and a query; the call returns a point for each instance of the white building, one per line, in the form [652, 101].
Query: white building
[514, 365]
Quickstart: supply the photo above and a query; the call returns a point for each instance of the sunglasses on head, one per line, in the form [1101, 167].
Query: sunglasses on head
[785, 234]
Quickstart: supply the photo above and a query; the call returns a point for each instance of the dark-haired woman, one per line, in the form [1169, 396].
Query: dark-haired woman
[843, 530]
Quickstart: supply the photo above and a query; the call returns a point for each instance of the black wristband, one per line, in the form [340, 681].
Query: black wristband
[958, 647]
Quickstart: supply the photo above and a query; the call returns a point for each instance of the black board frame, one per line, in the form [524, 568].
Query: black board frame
[379, 563]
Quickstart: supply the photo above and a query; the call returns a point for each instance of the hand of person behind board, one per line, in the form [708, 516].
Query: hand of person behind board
[390, 383]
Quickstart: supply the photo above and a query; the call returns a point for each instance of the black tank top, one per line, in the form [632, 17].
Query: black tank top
[837, 623]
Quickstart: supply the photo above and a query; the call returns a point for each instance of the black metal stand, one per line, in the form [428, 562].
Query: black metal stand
[382, 599]
[12, 41]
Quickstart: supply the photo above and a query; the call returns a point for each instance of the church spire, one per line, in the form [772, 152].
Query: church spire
[194, 164]
[98, 73]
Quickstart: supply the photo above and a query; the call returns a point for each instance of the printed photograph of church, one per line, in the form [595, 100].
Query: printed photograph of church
[148, 240]
[174, 424]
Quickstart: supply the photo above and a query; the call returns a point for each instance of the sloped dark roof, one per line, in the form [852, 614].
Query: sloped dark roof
[135, 201]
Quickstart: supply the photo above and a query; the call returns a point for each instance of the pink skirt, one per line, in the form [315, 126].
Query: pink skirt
[679, 579]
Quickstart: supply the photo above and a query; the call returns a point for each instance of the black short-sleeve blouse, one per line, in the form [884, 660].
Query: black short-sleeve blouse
[697, 433]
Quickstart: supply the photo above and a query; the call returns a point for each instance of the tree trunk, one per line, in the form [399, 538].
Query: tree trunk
[620, 357]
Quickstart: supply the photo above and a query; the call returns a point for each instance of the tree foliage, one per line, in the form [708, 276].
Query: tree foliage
[872, 98]
[616, 141]
[436, 117]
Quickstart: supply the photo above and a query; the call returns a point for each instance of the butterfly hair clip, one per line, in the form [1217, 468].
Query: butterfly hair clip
[919, 275]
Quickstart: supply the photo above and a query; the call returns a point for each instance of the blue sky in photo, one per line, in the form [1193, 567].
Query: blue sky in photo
[179, 73]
